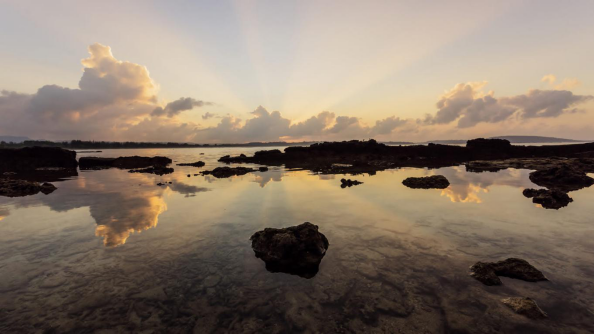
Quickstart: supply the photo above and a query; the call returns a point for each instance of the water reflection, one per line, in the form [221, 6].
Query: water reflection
[120, 203]
[468, 187]
[399, 257]
[263, 178]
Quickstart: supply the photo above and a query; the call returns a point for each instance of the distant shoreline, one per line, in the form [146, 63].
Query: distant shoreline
[97, 145]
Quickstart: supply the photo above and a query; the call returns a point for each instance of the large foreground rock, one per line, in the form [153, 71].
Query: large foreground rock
[488, 272]
[525, 306]
[21, 188]
[437, 181]
[33, 158]
[295, 250]
[551, 199]
[132, 162]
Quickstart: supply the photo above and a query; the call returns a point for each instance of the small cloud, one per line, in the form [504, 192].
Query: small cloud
[207, 115]
[549, 78]
[177, 106]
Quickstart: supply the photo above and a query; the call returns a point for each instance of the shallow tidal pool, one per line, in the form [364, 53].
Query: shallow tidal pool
[112, 251]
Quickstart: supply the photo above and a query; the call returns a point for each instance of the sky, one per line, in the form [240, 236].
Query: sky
[241, 71]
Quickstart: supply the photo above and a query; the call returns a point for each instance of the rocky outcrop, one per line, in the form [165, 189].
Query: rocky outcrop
[195, 164]
[30, 159]
[437, 181]
[525, 306]
[295, 250]
[563, 177]
[551, 199]
[559, 175]
[20, 188]
[132, 162]
[349, 182]
[488, 272]
[370, 156]
[226, 172]
[158, 170]
[263, 169]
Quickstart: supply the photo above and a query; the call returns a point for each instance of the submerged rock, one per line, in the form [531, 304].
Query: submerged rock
[565, 178]
[488, 272]
[225, 172]
[296, 250]
[551, 199]
[263, 169]
[195, 164]
[21, 188]
[349, 182]
[132, 162]
[525, 306]
[437, 181]
[158, 170]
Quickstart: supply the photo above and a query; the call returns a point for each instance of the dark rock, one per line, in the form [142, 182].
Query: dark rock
[160, 184]
[188, 176]
[566, 178]
[494, 145]
[225, 172]
[349, 182]
[551, 199]
[437, 181]
[525, 306]
[295, 250]
[20, 188]
[195, 164]
[32, 158]
[370, 156]
[488, 272]
[158, 170]
[263, 169]
[133, 162]
[47, 188]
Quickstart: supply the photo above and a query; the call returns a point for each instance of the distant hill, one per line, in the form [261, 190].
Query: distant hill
[13, 139]
[516, 139]
[535, 139]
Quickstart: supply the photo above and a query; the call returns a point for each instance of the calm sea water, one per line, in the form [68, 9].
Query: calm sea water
[111, 251]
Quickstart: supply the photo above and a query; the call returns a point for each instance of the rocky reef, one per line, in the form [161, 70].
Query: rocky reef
[296, 250]
[195, 164]
[33, 158]
[437, 181]
[158, 170]
[21, 188]
[525, 306]
[356, 157]
[132, 162]
[488, 272]
[226, 172]
[551, 199]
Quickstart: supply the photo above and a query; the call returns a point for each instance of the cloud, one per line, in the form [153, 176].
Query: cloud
[470, 106]
[112, 97]
[176, 107]
[566, 84]
[207, 115]
[548, 78]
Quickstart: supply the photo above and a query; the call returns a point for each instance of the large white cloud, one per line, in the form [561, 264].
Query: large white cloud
[112, 97]
[470, 106]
